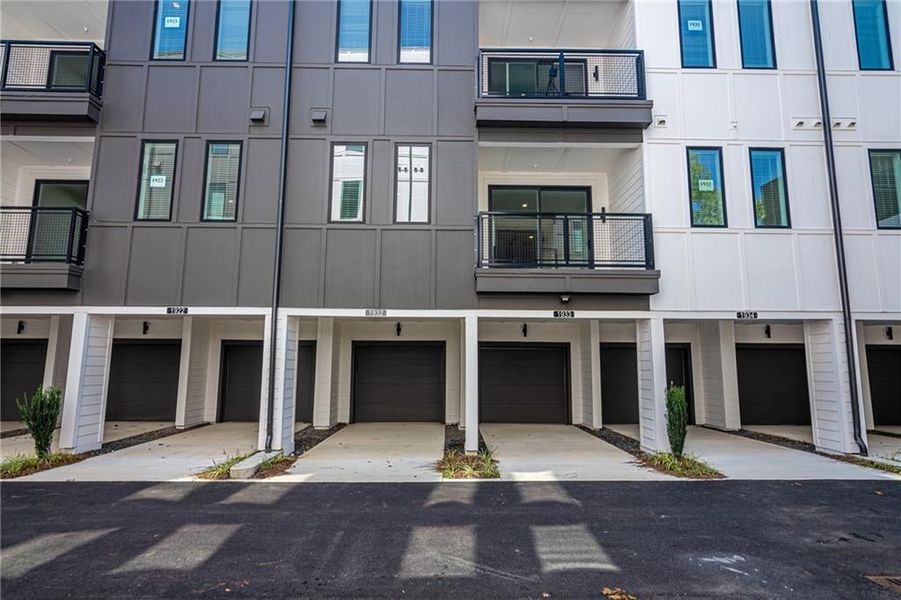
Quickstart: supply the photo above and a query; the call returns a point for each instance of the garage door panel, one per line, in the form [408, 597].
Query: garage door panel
[884, 371]
[306, 374]
[524, 383]
[21, 373]
[772, 385]
[143, 381]
[242, 371]
[619, 383]
[398, 382]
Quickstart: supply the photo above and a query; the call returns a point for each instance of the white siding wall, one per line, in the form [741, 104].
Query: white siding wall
[651, 385]
[61, 364]
[717, 400]
[827, 374]
[198, 367]
[285, 384]
[626, 183]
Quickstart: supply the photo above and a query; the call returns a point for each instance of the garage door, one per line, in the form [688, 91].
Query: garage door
[772, 385]
[678, 372]
[884, 370]
[619, 383]
[306, 369]
[398, 382]
[21, 373]
[524, 383]
[143, 380]
[239, 389]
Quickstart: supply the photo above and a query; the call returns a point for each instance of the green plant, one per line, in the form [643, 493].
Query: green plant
[456, 464]
[676, 418]
[40, 414]
[220, 470]
[21, 464]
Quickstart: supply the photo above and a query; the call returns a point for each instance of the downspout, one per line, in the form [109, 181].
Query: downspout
[837, 228]
[280, 226]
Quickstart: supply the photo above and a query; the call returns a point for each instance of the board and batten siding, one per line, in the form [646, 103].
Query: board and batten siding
[651, 385]
[830, 392]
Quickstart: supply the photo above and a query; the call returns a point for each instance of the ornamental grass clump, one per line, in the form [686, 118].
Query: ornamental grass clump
[40, 414]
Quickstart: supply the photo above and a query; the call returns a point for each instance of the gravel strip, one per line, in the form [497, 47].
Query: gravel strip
[455, 439]
[308, 437]
[142, 438]
[623, 442]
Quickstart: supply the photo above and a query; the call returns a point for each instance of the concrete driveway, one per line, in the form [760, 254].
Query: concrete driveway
[884, 448]
[527, 452]
[373, 452]
[112, 431]
[172, 458]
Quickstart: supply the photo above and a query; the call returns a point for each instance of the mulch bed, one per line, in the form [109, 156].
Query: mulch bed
[455, 439]
[277, 468]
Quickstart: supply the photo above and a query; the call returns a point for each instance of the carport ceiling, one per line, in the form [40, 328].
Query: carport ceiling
[553, 159]
[73, 20]
[20, 154]
[548, 24]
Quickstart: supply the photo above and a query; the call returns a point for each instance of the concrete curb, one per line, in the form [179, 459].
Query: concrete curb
[247, 467]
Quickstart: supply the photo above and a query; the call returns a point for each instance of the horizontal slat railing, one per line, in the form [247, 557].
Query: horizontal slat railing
[539, 240]
[610, 74]
[52, 67]
[42, 234]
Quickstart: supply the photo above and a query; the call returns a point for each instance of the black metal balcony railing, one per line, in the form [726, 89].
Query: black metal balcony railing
[52, 67]
[536, 240]
[601, 74]
[42, 234]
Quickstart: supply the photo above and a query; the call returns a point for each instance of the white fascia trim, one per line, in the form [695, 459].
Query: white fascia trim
[47, 138]
[226, 311]
[876, 316]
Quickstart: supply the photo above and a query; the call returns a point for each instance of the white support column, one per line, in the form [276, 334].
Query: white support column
[595, 353]
[717, 397]
[184, 367]
[322, 391]
[84, 403]
[285, 384]
[863, 372]
[652, 385]
[472, 383]
[830, 388]
[729, 368]
[52, 349]
[264, 384]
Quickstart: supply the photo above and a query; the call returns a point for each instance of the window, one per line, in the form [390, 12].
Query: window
[874, 50]
[353, 30]
[705, 187]
[348, 177]
[233, 30]
[768, 188]
[157, 181]
[171, 29]
[412, 185]
[755, 24]
[415, 31]
[696, 33]
[223, 177]
[885, 172]
[49, 231]
[527, 77]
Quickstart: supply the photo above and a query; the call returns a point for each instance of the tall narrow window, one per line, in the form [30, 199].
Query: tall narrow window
[170, 30]
[755, 24]
[885, 171]
[223, 176]
[233, 30]
[874, 49]
[348, 177]
[412, 189]
[705, 187]
[696, 33]
[157, 181]
[353, 30]
[415, 31]
[768, 187]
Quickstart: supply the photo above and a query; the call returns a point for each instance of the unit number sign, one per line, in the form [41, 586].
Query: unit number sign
[746, 314]
[564, 314]
[176, 310]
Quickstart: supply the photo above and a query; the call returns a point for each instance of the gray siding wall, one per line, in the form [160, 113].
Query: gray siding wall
[377, 263]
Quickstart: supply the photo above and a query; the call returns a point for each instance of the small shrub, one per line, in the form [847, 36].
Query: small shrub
[456, 464]
[681, 466]
[221, 469]
[676, 418]
[40, 414]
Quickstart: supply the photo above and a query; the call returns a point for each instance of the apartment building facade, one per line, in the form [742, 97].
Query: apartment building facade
[477, 211]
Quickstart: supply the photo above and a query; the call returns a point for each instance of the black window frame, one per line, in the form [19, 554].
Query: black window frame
[431, 60]
[338, 37]
[888, 40]
[331, 178]
[788, 215]
[144, 143]
[538, 188]
[712, 37]
[870, 152]
[691, 222]
[394, 195]
[156, 8]
[250, 16]
[206, 172]
[741, 46]
[35, 194]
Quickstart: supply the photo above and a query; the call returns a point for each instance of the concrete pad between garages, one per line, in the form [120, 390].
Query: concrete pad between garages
[373, 452]
[112, 431]
[884, 448]
[171, 458]
[527, 452]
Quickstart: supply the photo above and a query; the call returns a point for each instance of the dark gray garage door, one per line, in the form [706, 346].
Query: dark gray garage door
[524, 383]
[884, 370]
[772, 385]
[619, 383]
[398, 382]
[306, 369]
[143, 380]
[678, 372]
[21, 373]
[239, 388]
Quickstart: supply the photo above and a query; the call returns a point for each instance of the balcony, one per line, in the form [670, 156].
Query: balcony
[562, 89]
[51, 81]
[606, 253]
[42, 247]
